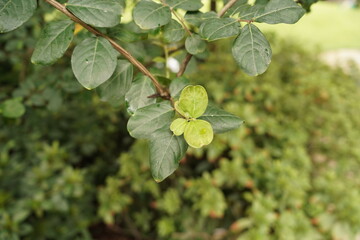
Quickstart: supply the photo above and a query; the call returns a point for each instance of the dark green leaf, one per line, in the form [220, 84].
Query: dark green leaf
[114, 89]
[54, 41]
[98, 13]
[194, 44]
[173, 31]
[280, 11]
[217, 28]
[252, 51]
[137, 96]
[166, 151]
[147, 120]
[124, 33]
[177, 85]
[188, 5]
[93, 62]
[197, 18]
[220, 120]
[248, 12]
[12, 108]
[149, 15]
[13, 13]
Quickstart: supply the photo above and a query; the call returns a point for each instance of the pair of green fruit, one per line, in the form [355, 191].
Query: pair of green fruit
[191, 105]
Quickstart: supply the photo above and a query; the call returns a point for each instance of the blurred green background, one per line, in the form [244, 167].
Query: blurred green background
[70, 171]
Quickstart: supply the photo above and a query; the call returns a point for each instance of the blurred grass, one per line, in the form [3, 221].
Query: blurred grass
[329, 26]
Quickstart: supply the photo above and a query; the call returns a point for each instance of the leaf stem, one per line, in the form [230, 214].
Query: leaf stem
[163, 92]
[189, 56]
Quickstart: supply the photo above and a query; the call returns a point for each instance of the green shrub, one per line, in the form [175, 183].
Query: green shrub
[290, 172]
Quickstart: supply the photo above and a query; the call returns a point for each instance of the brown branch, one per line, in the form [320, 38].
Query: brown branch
[184, 65]
[189, 56]
[226, 7]
[162, 91]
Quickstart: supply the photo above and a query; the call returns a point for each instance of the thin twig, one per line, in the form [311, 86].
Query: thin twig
[162, 91]
[184, 65]
[181, 21]
[226, 7]
[189, 56]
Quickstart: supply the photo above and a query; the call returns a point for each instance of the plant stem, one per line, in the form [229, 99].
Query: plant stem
[160, 89]
[226, 7]
[184, 65]
[181, 21]
[189, 56]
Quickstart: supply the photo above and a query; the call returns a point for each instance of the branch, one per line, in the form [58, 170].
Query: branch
[189, 56]
[162, 91]
[226, 7]
[184, 65]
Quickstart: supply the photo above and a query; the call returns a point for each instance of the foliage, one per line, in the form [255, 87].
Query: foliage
[95, 63]
[289, 173]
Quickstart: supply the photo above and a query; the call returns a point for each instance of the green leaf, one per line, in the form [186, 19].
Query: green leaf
[147, 120]
[166, 151]
[114, 89]
[137, 96]
[13, 13]
[237, 7]
[280, 11]
[54, 41]
[198, 133]
[252, 51]
[194, 44]
[173, 31]
[248, 12]
[12, 108]
[124, 33]
[188, 5]
[93, 62]
[218, 28]
[197, 18]
[149, 15]
[220, 120]
[98, 13]
[178, 126]
[193, 101]
[177, 85]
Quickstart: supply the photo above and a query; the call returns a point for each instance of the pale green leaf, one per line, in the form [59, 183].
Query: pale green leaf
[178, 126]
[194, 44]
[197, 18]
[149, 15]
[93, 62]
[147, 120]
[280, 11]
[198, 133]
[220, 120]
[12, 108]
[54, 41]
[177, 85]
[13, 13]
[188, 5]
[252, 51]
[98, 13]
[193, 101]
[218, 28]
[166, 151]
[114, 89]
[138, 95]
[173, 31]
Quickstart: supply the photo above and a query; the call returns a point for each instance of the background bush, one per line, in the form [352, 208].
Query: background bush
[69, 170]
